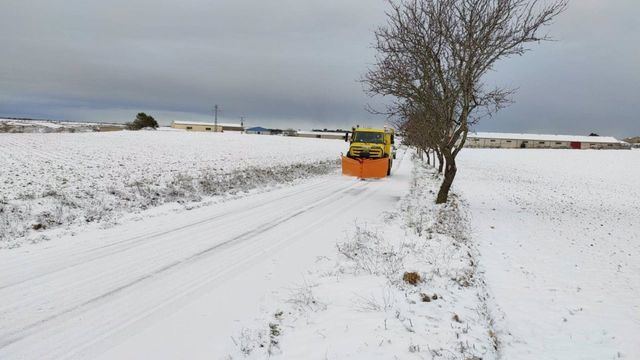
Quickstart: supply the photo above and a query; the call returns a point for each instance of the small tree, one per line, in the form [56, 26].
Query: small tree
[142, 121]
[433, 55]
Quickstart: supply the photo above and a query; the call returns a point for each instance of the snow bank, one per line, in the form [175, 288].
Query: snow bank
[360, 305]
[559, 234]
[58, 180]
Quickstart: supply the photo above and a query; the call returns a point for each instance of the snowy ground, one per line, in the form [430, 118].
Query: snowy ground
[62, 180]
[536, 257]
[359, 303]
[559, 237]
[178, 285]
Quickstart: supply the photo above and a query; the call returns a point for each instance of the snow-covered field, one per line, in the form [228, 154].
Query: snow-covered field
[559, 237]
[537, 256]
[58, 180]
[47, 126]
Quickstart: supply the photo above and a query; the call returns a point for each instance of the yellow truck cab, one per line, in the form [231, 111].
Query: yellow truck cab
[374, 151]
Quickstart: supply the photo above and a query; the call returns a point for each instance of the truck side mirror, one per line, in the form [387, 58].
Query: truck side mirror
[346, 137]
[392, 139]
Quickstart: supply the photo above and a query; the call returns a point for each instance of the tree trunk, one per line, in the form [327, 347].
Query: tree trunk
[440, 161]
[426, 152]
[449, 174]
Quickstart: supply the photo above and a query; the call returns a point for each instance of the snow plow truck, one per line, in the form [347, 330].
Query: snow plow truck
[371, 153]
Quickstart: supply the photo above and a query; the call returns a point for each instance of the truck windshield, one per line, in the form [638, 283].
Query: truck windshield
[368, 137]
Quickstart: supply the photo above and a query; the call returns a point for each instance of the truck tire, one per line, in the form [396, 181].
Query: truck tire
[389, 169]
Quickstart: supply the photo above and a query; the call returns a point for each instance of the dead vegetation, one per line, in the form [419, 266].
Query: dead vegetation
[428, 298]
[369, 252]
[456, 318]
[412, 278]
[251, 340]
[304, 299]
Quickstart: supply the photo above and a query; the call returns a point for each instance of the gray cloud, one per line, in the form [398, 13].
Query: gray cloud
[587, 80]
[288, 63]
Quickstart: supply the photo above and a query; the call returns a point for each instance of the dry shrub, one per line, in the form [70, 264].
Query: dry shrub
[494, 339]
[370, 252]
[412, 278]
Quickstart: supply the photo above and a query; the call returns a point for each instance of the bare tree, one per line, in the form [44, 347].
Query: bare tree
[421, 133]
[433, 55]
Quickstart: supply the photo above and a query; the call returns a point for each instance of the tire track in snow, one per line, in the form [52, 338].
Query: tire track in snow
[25, 331]
[164, 252]
[126, 244]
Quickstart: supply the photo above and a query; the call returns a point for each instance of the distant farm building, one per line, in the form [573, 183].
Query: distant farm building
[196, 126]
[232, 127]
[206, 127]
[322, 134]
[536, 141]
[260, 131]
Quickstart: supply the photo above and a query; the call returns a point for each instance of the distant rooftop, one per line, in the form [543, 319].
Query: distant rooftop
[544, 137]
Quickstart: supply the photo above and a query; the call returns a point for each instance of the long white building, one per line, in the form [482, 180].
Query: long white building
[539, 141]
[205, 126]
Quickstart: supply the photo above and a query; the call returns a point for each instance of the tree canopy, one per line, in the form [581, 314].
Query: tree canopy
[142, 121]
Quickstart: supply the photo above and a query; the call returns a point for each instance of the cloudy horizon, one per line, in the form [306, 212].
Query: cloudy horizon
[288, 63]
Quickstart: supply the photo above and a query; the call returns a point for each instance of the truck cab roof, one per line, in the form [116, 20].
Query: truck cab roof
[389, 130]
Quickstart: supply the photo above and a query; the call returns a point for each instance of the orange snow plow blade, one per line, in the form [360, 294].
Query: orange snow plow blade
[365, 168]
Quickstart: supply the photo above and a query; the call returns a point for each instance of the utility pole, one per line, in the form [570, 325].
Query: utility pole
[242, 123]
[215, 117]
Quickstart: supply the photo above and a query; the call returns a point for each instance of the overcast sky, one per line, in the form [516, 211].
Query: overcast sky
[289, 63]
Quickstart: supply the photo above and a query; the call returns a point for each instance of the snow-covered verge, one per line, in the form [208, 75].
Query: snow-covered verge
[559, 237]
[53, 181]
[404, 286]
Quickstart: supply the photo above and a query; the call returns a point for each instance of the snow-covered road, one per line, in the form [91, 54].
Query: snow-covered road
[175, 286]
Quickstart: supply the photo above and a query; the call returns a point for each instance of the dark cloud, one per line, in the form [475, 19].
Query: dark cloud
[287, 63]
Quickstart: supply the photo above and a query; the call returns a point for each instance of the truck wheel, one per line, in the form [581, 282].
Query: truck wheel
[389, 169]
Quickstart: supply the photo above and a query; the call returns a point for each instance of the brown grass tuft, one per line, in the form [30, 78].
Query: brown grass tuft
[412, 278]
